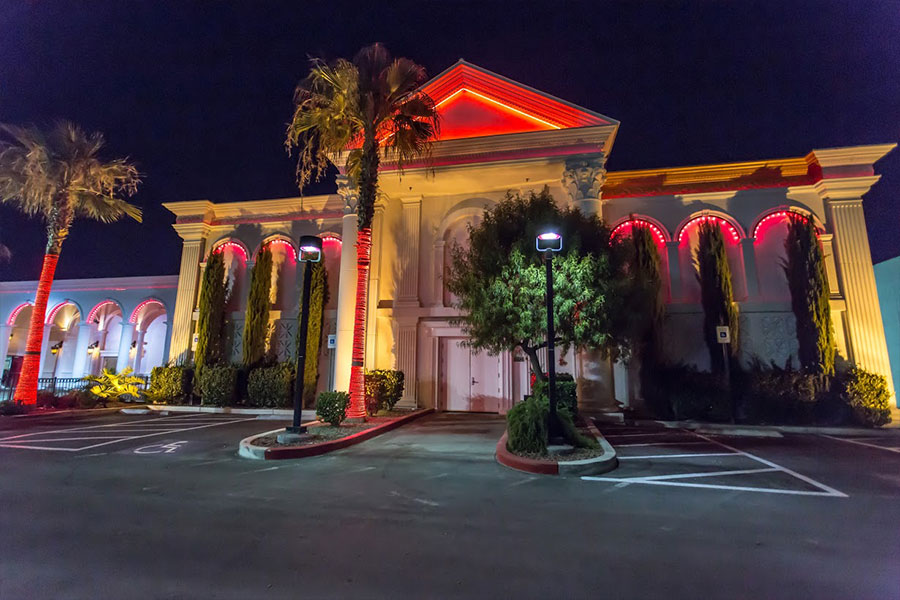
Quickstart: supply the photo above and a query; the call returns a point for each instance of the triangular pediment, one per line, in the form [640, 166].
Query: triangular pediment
[474, 102]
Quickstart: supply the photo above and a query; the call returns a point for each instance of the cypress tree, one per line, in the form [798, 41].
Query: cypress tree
[805, 272]
[256, 322]
[716, 292]
[318, 298]
[647, 280]
[211, 317]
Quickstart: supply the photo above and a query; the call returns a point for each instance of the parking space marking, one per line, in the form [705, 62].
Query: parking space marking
[859, 443]
[723, 450]
[176, 424]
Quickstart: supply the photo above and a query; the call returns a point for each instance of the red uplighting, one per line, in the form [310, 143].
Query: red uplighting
[735, 236]
[141, 306]
[284, 243]
[94, 311]
[626, 227]
[331, 239]
[56, 309]
[15, 313]
[233, 246]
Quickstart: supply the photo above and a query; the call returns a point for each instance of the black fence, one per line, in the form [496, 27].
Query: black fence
[59, 386]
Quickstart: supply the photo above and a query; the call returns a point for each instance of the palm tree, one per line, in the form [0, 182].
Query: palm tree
[357, 106]
[59, 177]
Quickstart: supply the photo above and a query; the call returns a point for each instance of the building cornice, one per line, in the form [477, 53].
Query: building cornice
[848, 188]
[851, 155]
[95, 284]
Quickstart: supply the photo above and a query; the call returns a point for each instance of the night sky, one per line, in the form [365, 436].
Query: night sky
[198, 93]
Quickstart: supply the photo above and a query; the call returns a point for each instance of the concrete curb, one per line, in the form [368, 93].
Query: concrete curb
[56, 413]
[228, 410]
[589, 466]
[759, 430]
[248, 450]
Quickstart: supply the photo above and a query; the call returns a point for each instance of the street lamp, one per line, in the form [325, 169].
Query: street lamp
[310, 252]
[548, 242]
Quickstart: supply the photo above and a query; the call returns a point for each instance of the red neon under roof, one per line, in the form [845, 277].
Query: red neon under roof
[474, 102]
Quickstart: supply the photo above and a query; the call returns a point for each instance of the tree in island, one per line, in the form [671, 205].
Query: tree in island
[59, 177]
[808, 282]
[211, 314]
[500, 282]
[716, 295]
[256, 321]
[356, 111]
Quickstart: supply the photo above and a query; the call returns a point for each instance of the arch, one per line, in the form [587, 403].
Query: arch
[229, 242]
[145, 305]
[15, 312]
[53, 312]
[282, 239]
[465, 209]
[660, 233]
[783, 212]
[731, 226]
[100, 306]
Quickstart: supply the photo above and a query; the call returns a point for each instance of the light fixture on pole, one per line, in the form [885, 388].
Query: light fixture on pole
[548, 242]
[310, 252]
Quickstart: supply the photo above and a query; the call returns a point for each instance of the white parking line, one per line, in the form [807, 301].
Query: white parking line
[738, 488]
[704, 474]
[859, 443]
[661, 444]
[654, 456]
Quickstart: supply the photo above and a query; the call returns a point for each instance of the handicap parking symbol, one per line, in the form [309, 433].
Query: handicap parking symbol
[160, 448]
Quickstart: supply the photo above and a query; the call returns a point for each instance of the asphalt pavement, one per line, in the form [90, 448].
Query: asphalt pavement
[157, 507]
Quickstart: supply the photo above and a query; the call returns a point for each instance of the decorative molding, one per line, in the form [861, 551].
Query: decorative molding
[848, 188]
[348, 193]
[851, 155]
[583, 177]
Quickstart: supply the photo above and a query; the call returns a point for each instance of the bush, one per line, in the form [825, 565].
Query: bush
[45, 399]
[526, 427]
[867, 396]
[171, 385]
[116, 386]
[217, 385]
[770, 394]
[66, 402]
[331, 407]
[384, 388]
[10, 408]
[683, 392]
[271, 387]
[83, 399]
[566, 392]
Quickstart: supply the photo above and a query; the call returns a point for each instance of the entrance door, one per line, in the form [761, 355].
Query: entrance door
[472, 380]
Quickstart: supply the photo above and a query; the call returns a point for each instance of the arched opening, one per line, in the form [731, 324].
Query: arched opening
[19, 321]
[60, 336]
[688, 241]
[151, 326]
[770, 234]
[282, 290]
[107, 322]
[235, 257]
[624, 229]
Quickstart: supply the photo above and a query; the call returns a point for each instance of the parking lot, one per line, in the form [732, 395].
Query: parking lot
[165, 508]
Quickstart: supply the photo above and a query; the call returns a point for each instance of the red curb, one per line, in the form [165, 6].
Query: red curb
[325, 447]
[520, 463]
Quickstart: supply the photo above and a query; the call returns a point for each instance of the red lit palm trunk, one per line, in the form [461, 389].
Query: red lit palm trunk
[26, 389]
[357, 408]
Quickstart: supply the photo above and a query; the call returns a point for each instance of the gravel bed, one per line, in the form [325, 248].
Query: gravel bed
[317, 434]
[563, 456]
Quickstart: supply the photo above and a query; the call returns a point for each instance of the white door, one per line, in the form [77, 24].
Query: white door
[472, 380]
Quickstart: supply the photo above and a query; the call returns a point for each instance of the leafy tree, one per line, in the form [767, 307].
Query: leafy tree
[355, 106]
[59, 177]
[716, 292]
[318, 298]
[256, 322]
[211, 317]
[500, 281]
[805, 272]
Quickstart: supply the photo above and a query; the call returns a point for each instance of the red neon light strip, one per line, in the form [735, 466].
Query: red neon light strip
[15, 313]
[134, 314]
[56, 309]
[96, 309]
[719, 220]
[781, 214]
[498, 103]
[657, 232]
[282, 242]
[235, 247]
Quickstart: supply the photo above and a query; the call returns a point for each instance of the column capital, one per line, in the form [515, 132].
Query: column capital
[584, 175]
[349, 192]
[845, 189]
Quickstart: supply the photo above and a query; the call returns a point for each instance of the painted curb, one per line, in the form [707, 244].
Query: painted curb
[248, 450]
[589, 466]
[228, 410]
[137, 411]
[760, 430]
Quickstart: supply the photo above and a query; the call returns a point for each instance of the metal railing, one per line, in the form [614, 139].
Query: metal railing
[58, 386]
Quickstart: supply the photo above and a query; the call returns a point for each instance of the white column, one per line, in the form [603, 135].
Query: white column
[45, 353]
[124, 346]
[408, 298]
[343, 352]
[374, 293]
[194, 236]
[5, 330]
[81, 363]
[139, 351]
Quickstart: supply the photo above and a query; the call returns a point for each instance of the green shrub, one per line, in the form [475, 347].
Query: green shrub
[171, 385]
[271, 387]
[867, 396]
[217, 385]
[384, 388]
[45, 399]
[331, 407]
[771, 394]
[8, 409]
[65, 402]
[566, 392]
[526, 427]
[683, 392]
[83, 399]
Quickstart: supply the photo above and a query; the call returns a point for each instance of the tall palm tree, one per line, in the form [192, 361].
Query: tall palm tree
[361, 109]
[59, 177]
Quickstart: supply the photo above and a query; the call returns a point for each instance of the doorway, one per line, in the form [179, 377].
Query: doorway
[472, 380]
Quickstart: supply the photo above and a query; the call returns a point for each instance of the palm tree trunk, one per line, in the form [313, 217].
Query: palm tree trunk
[26, 389]
[357, 408]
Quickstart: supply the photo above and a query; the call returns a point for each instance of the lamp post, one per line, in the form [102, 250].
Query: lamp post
[549, 242]
[310, 252]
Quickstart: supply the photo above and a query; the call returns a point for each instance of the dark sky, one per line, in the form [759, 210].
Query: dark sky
[198, 93]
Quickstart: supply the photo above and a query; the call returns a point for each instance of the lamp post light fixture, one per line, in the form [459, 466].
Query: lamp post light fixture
[310, 252]
[548, 242]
